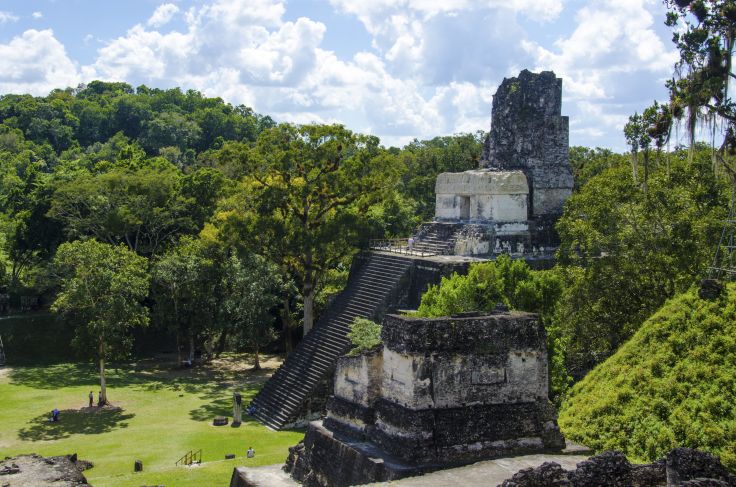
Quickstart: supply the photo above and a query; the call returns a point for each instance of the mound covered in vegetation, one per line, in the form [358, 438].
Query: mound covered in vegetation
[672, 384]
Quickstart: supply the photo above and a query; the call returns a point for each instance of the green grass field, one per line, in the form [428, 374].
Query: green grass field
[164, 412]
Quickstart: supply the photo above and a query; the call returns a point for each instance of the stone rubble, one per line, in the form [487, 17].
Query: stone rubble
[681, 467]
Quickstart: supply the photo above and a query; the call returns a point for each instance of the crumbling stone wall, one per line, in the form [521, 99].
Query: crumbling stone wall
[438, 393]
[681, 467]
[529, 134]
[37, 471]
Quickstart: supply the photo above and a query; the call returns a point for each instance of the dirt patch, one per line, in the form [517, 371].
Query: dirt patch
[228, 370]
[4, 371]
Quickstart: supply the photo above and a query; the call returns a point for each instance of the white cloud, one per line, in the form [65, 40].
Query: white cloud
[163, 15]
[611, 37]
[6, 17]
[430, 68]
[35, 62]
[37, 15]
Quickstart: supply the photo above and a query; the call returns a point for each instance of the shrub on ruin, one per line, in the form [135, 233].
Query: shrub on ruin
[364, 335]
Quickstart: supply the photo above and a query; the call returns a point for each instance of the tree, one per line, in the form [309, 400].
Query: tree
[705, 34]
[102, 287]
[364, 335]
[251, 288]
[304, 201]
[185, 288]
[624, 252]
[143, 208]
[637, 137]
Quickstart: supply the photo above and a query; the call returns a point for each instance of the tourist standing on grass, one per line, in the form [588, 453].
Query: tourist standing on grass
[91, 399]
[251, 452]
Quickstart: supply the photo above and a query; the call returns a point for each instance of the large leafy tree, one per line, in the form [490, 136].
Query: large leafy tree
[144, 208]
[102, 289]
[304, 201]
[625, 251]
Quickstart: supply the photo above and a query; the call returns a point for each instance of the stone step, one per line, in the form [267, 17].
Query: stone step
[284, 394]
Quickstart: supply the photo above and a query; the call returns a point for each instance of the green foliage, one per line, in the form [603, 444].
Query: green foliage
[625, 251]
[142, 208]
[183, 282]
[305, 200]
[672, 384]
[102, 287]
[503, 281]
[251, 288]
[364, 335]
[510, 283]
[705, 31]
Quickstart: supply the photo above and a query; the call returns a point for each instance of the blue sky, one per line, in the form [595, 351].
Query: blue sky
[399, 69]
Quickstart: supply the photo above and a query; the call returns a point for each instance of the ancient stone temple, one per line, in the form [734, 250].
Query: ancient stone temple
[511, 202]
[438, 393]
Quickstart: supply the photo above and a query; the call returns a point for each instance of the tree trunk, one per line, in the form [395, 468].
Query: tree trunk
[287, 325]
[221, 344]
[634, 170]
[103, 385]
[308, 294]
[178, 348]
[308, 291]
[191, 347]
[256, 362]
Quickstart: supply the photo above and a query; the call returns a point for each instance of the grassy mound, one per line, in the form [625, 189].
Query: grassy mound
[673, 384]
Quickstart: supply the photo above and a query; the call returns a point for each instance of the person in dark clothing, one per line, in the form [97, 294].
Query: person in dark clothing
[55, 415]
[100, 402]
[91, 399]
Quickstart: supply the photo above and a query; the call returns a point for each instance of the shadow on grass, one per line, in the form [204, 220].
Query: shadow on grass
[214, 384]
[54, 376]
[221, 404]
[148, 375]
[74, 421]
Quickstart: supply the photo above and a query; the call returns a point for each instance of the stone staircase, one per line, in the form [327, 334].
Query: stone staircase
[436, 238]
[366, 295]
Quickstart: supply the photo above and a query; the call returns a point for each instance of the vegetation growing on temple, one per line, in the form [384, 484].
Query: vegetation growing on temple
[672, 384]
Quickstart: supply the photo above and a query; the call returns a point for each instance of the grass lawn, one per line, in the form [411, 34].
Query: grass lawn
[164, 412]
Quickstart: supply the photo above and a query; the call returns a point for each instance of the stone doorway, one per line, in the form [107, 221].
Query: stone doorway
[464, 207]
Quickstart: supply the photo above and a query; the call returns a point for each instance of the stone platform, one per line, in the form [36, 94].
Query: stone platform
[487, 473]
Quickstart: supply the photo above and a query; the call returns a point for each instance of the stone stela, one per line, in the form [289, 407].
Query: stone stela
[512, 201]
[438, 393]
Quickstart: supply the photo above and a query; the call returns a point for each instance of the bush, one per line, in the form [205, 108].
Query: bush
[364, 334]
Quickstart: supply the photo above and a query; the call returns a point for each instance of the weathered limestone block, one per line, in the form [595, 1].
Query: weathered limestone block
[482, 196]
[439, 392]
[358, 378]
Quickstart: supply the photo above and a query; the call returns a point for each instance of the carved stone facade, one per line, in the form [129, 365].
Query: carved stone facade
[437, 393]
